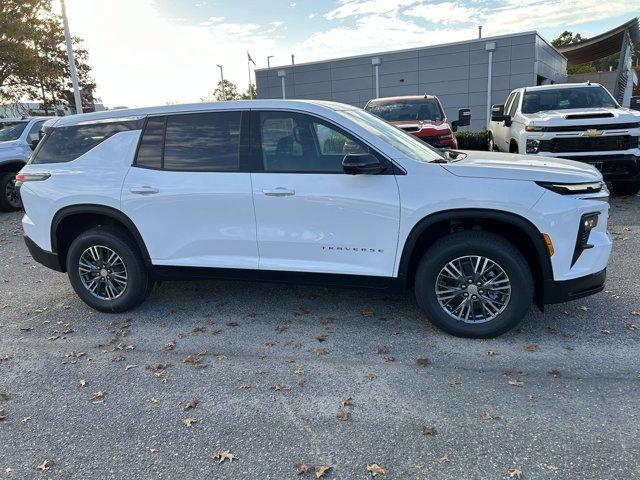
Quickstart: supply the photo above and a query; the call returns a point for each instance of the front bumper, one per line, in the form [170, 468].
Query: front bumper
[567, 290]
[612, 167]
[48, 259]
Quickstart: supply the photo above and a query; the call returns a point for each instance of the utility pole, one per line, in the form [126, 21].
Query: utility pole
[479, 31]
[224, 95]
[269, 61]
[72, 62]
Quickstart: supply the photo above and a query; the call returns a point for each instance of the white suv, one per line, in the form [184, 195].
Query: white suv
[310, 192]
[577, 121]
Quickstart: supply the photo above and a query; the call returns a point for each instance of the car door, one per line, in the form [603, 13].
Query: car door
[310, 215]
[500, 130]
[189, 194]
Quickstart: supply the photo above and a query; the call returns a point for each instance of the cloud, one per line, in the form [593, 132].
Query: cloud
[446, 13]
[351, 8]
[312, 15]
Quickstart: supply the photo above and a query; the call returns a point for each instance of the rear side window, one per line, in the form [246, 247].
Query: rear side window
[150, 151]
[202, 142]
[64, 144]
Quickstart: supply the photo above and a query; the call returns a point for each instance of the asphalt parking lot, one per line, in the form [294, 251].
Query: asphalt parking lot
[267, 367]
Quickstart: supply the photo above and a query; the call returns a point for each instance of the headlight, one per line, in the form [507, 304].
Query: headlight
[533, 145]
[533, 128]
[572, 188]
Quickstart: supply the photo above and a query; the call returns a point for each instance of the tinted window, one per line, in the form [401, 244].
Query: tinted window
[293, 142]
[514, 105]
[150, 150]
[202, 142]
[64, 144]
[407, 110]
[565, 98]
[34, 132]
[11, 130]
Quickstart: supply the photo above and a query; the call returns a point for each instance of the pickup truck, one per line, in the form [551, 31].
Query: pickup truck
[577, 121]
[421, 116]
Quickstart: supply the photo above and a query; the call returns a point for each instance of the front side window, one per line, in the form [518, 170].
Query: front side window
[407, 145]
[293, 142]
[425, 109]
[64, 144]
[34, 132]
[514, 105]
[11, 130]
[202, 142]
[565, 98]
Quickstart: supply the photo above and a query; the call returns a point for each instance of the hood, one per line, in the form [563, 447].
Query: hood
[435, 128]
[509, 166]
[583, 116]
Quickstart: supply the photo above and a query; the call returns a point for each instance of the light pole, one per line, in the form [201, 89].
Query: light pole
[269, 61]
[224, 95]
[72, 62]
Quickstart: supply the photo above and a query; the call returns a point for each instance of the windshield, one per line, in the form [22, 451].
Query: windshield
[408, 145]
[566, 98]
[11, 130]
[407, 110]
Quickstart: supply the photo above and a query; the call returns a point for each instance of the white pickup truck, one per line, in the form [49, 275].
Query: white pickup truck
[577, 121]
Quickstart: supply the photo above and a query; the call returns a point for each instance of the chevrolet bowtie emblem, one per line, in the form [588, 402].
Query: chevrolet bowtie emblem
[592, 132]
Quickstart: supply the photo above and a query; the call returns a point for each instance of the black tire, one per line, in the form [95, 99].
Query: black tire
[513, 147]
[475, 243]
[138, 283]
[626, 188]
[491, 145]
[9, 195]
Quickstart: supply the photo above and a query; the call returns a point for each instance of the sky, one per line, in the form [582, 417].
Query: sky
[153, 52]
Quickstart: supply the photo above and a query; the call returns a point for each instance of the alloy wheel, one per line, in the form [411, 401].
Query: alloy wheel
[102, 272]
[12, 193]
[473, 289]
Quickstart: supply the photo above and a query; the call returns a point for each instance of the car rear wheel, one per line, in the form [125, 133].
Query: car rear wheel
[9, 194]
[106, 270]
[474, 284]
[625, 188]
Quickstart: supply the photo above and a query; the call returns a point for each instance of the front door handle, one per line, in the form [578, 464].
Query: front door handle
[144, 190]
[278, 192]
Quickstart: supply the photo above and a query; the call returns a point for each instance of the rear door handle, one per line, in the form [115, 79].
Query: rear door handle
[278, 192]
[144, 190]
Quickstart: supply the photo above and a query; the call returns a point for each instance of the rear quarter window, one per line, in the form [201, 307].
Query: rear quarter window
[64, 144]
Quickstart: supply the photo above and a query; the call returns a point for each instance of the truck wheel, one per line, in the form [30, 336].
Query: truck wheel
[492, 144]
[626, 188]
[106, 270]
[9, 194]
[474, 284]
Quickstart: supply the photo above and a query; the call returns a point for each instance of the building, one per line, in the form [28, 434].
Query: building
[475, 73]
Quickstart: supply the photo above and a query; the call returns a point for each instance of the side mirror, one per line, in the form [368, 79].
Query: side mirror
[361, 164]
[464, 119]
[635, 103]
[498, 115]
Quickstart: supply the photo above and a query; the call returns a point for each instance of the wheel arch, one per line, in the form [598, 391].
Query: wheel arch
[76, 219]
[12, 166]
[518, 230]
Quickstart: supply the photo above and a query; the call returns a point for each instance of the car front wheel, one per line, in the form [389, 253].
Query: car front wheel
[474, 284]
[106, 270]
[9, 193]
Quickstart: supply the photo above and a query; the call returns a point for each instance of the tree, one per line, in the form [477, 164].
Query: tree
[567, 38]
[250, 93]
[230, 91]
[33, 57]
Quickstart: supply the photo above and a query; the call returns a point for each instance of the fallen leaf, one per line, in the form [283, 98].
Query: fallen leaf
[584, 308]
[530, 397]
[153, 450]
[245, 386]
[189, 421]
[195, 361]
[376, 470]
[223, 455]
[321, 351]
[389, 359]
[97, 395]
[155, 400]
[4, 395]
[193, 403]
[487, 415]
[367, 312]
[515, 473]
[444, 458]
[632, 327]
[170, 345]
[303, 468]
[83, 382]
[514, 382]
[321, 338]
[129, 367]
[423, 362]
[530, 347]
[454, 381]
[491, 353]
[554, 373]
[382, 349]
[322, 470]
[46, 464]
[343, 416]
[2, 415]
[428, 430]
[551, 467]
[278, 387]
[298, 371]
[25, 419]
[346, 401]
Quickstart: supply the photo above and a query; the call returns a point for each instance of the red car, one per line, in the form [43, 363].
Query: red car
[422, 116]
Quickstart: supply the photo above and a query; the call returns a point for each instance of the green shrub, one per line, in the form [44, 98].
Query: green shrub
[473, 140]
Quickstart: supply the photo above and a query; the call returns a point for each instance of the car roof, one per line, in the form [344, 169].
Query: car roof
[402, 97]
[557, 86]
[312, 106]
[22, 119]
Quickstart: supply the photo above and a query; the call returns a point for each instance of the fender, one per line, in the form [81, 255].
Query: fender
[100, 210]
[480, 213]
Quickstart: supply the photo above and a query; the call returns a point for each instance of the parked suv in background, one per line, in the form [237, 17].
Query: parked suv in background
[422, 116]
[18, 138]
[577, 121]
[310, 192]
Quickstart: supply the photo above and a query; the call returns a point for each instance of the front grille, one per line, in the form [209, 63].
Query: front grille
[586, 144]
[584, 128]
[433, 140]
